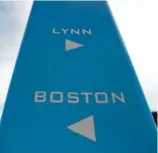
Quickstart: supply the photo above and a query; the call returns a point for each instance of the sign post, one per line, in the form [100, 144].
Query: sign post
[74, 89]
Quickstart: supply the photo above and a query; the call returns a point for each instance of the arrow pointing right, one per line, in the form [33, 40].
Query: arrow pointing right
[69, 45]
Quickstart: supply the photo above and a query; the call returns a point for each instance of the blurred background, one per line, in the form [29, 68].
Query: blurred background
[136, 20]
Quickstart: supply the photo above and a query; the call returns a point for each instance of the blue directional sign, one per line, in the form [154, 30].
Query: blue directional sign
[74, 89]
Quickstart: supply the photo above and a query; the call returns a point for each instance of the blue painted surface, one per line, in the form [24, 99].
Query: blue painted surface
[102, 65]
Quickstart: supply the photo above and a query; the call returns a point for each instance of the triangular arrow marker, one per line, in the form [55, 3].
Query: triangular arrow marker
[69, 45]
[85, 128]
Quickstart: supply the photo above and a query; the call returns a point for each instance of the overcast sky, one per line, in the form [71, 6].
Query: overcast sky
[135, 19]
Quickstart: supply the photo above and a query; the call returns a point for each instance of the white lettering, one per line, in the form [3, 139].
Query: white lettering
[86, 94]
[56, 94]
[40, 96]
[103, 97]
[76, 31]
[89, 32]
[73, 97]
[116, 97]
[55, 32]
[64, 31]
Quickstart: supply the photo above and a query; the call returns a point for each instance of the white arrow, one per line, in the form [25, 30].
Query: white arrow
[85, 128]
[69, 45]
